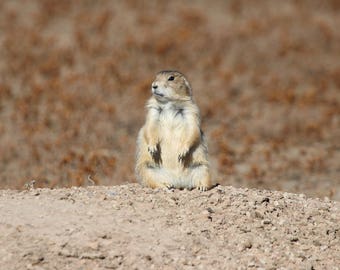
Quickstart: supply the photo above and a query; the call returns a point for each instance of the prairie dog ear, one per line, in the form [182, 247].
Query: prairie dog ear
[188, 86]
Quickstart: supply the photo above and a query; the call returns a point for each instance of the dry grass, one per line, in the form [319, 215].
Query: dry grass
[75, 76]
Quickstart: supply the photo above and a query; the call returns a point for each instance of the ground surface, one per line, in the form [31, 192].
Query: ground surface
[75, 75]
[130, 227]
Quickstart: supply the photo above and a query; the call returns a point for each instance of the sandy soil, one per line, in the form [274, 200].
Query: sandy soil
[131, 227]
[75, 75]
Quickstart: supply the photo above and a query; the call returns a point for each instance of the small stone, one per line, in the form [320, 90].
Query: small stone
[326, 199]
[205, 212]
[265, 200]
[294, 239]
[282, 222]
[92, 256]
[37, 260]
[148, 257]
[258, 215]
[245, 229]
[302, 196]
[247, 244]
[251, 264]
[266, 222]
[210, 210]
[323, 248]
[184, 261]
[111, 193]
[316, 243]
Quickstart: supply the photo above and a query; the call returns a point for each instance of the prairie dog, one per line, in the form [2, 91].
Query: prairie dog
[171, 148]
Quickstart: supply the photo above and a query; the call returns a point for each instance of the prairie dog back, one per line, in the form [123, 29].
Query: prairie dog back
[171, 148]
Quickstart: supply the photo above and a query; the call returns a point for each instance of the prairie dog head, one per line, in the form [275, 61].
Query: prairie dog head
[171, 86]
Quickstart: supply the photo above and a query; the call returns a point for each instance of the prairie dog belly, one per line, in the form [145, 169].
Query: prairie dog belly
[172, 133]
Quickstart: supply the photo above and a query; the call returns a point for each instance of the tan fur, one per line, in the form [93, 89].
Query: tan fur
[171, 149]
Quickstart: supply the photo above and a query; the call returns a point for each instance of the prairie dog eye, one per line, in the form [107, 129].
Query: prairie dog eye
[171, 78]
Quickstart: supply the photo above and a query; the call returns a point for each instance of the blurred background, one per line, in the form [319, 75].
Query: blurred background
[75, 76]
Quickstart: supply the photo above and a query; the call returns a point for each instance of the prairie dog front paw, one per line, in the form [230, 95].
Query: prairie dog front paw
[183, 154]
[155, 152]
[153, 149]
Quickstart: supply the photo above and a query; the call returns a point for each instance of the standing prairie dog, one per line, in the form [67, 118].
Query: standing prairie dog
[171, 148]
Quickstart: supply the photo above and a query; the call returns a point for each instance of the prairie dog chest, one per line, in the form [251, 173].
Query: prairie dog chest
[172, 121]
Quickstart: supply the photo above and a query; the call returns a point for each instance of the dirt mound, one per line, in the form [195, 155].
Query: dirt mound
[131, 227]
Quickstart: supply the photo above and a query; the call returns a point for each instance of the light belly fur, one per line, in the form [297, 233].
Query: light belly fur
[172, 134]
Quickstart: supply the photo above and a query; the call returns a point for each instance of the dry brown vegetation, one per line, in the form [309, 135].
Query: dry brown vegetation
[74, 77]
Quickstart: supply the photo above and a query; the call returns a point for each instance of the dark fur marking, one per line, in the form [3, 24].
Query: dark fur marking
[179, 112]
[157, 156]
[195, 165]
